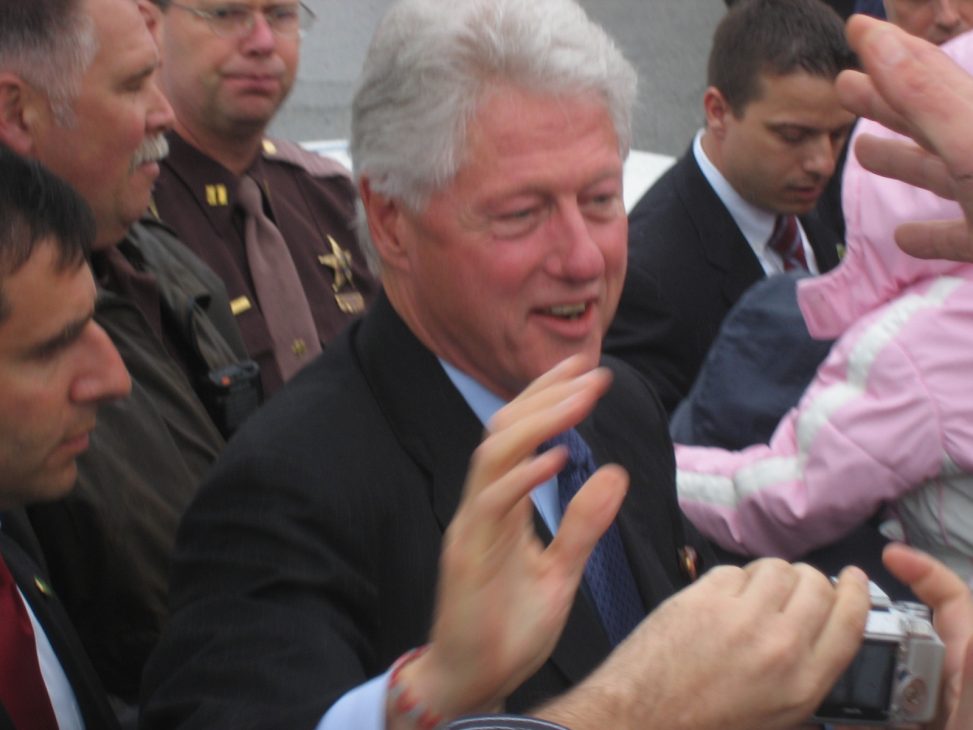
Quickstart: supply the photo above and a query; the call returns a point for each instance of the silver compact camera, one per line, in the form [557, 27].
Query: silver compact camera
[894, 679]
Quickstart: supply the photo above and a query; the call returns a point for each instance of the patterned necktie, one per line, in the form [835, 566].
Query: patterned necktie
[22, 689]
[279, 290]
[607, 572]
[785, 241]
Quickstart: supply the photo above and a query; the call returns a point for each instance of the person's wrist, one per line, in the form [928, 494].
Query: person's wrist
[410, 699]
[424, 690]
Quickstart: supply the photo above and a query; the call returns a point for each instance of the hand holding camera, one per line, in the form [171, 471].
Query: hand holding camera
[894, 680]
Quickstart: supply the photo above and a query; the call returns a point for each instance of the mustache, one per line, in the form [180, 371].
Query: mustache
[152, 149]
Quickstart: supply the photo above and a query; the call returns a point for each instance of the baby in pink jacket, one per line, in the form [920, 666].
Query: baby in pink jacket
[888, 418]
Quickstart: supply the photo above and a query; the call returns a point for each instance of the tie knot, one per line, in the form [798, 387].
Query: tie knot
[579, 453]
[785, 241]
[250, 197]
[580, 466]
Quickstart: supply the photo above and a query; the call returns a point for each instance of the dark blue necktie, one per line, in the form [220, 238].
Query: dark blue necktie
[607, 572]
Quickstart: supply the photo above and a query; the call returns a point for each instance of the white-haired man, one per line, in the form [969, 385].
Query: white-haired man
[488, 139]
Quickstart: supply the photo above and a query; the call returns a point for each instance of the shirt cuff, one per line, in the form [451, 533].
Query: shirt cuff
[361, 708]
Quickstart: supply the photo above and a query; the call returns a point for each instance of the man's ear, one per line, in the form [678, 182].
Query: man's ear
[717, 111]
[386, 218]
[17, 113]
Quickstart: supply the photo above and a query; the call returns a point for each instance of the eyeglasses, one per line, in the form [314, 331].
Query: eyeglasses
[236, 20]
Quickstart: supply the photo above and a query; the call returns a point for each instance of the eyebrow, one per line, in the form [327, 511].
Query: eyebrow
[68, 334]
[808, 127]
[145, 72]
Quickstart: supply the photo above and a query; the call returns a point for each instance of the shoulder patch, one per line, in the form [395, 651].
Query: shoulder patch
[313, 163]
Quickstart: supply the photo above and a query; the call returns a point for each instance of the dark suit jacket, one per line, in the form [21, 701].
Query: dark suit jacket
[308, 562]
[688, 263]
[16, 540]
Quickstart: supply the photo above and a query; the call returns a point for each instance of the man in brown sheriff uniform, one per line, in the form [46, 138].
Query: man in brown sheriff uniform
[227, 70]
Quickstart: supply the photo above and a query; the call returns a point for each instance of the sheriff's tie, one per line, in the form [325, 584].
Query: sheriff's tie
[279, 291]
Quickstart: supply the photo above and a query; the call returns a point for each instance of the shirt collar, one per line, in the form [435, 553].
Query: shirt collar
[754, 223]
[483, 402]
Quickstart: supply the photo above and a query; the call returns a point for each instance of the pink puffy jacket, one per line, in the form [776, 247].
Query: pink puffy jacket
[888, 418]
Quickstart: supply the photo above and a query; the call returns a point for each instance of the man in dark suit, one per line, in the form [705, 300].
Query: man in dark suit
[488, 144]
[56, 367]
[717, 221]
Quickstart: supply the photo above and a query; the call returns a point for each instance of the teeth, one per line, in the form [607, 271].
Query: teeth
[569, 311]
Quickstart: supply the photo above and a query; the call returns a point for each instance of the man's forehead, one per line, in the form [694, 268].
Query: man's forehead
[119, 22]
[36, 305]
[799, 93]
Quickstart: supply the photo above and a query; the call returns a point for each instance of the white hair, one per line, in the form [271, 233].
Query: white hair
[429, 64]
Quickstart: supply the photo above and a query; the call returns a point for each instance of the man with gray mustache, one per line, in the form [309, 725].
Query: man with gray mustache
[79, 94]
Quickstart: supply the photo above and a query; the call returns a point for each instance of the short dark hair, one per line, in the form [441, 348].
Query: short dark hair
[775, 37]
[163, 5]
[37, 207]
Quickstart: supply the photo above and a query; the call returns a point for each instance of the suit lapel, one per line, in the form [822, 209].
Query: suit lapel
[823, 241]
[428, 415]
[723, 245]
[48, 611]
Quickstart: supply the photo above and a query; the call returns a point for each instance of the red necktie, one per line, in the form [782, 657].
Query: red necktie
[785, 241]
[22, 689]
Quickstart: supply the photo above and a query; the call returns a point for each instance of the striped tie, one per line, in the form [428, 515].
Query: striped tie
[785, 241]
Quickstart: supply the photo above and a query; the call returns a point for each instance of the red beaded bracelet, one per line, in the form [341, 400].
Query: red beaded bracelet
[403, 703]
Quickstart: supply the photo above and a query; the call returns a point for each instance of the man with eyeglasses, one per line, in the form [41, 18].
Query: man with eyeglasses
[228, 67]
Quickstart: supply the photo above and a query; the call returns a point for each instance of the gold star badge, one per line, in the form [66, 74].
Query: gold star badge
[339, 260]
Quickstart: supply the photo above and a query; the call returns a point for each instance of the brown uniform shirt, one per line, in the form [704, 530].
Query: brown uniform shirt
[312, 202]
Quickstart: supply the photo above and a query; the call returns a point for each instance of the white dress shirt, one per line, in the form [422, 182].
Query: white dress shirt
[756, 224]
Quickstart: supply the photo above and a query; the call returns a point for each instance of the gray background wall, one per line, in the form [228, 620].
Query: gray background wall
[667, 40]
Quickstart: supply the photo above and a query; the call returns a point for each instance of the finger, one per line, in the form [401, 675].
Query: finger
[961, 715]
[568, 368]
[489, 500]
[770, 582]
[728, 579]
[949, 598]
[841, 635]
[487, 524]
[933, 583]
[585, 520]
[517, 430]
[905, 161]
[552, 393]
[858, 94]
[936, 240]
[920, 82]
[555, 410]
[812, 600]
